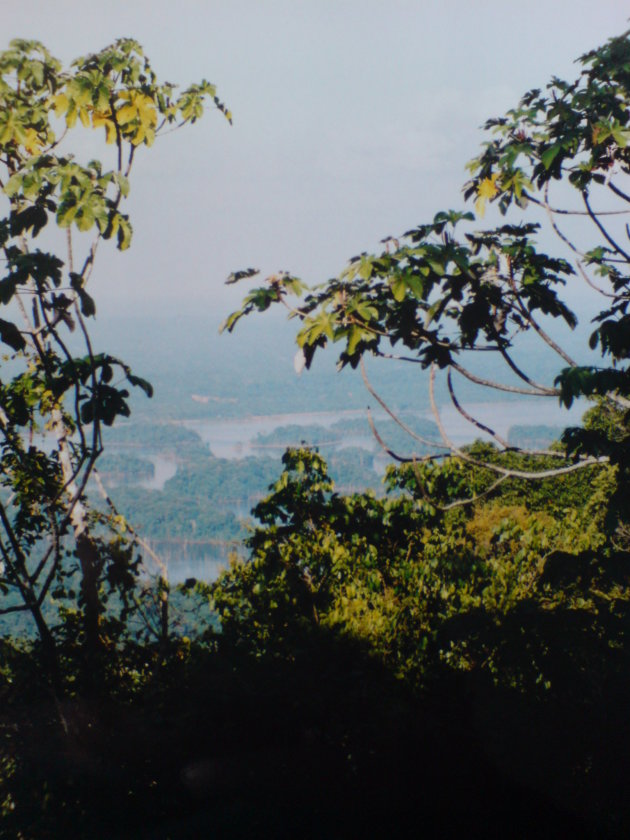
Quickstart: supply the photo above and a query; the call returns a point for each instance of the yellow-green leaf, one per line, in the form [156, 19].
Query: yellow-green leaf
[486, 191]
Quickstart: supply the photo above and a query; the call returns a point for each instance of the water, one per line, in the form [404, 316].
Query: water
[164, 467]
[184, 559]
[234, 439]
[500, 416]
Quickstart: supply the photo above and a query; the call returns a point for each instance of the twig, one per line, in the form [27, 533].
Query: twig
[499, 386]
[603, 230]
[400, 458]
[393, 415]
[510, 473]
[481, 426]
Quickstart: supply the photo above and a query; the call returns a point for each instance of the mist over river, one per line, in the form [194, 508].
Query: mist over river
[186, 559]
[230, 391]
[234, 438]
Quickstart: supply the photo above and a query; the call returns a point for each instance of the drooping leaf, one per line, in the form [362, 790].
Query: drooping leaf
[11, 335]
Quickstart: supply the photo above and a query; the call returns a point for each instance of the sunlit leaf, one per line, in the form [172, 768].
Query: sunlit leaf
[486, 191]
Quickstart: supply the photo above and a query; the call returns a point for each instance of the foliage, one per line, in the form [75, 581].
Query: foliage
[116, 467]
[521, 592]
[155, 436]
[396, 571]
[444, 291]
[208, 499]
[52, 545]
[466, 571]
[464, 634]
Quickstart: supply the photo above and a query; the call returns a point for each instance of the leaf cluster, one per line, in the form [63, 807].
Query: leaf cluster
[420, 586]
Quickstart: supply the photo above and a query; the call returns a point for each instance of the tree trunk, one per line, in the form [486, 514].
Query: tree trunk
[163, 593]
[87, 553]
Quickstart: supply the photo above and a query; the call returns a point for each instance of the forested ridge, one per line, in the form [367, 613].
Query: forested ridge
[444, 654]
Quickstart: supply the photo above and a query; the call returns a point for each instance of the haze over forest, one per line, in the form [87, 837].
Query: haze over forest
[363, 571]
[352, 121]
[240, 398]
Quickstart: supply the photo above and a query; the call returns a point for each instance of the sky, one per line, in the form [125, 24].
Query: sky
[353, 120]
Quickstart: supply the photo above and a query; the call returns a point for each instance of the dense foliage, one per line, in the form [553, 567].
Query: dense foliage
[449, 656]
[522, 587]
[408, 573]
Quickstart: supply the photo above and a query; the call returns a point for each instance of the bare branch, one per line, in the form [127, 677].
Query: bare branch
[543, 390]
[457, 502]
[559, 211]
[119, 141]
[589, 282]
[24, 607]
[499, 386]
[393, 415]
[536, 326]
[88, 265]
[618, 192]
[51, 575]
[42, 563]
[555, 227]
[132, 151]
[400, 458]
[510, 473]
[470, 418]
[603, 230]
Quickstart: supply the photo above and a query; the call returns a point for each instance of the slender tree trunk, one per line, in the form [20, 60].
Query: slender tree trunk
[50, 654]
[163, 592]
[87, 553]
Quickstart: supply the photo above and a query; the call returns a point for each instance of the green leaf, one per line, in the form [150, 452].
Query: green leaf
[355, 335]
[123, 233]
[550, 154]
[398, 287]
[416, 285]
[14, 184]
[139, 382]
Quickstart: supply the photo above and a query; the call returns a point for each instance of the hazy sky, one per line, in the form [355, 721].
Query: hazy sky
[353, 120]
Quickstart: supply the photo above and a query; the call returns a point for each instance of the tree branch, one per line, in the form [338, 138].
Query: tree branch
[603, 230]
[510, 473]
[499, 386]
[481, 426]
[392, 414]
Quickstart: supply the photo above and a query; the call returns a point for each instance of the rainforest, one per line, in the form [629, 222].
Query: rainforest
[369, 572]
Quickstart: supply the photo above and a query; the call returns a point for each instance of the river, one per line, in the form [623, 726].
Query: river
[234, 438]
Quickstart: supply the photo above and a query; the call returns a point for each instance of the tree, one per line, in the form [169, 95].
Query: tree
[420, 582]
[471, 578]
[445, 291]
[50, 537]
